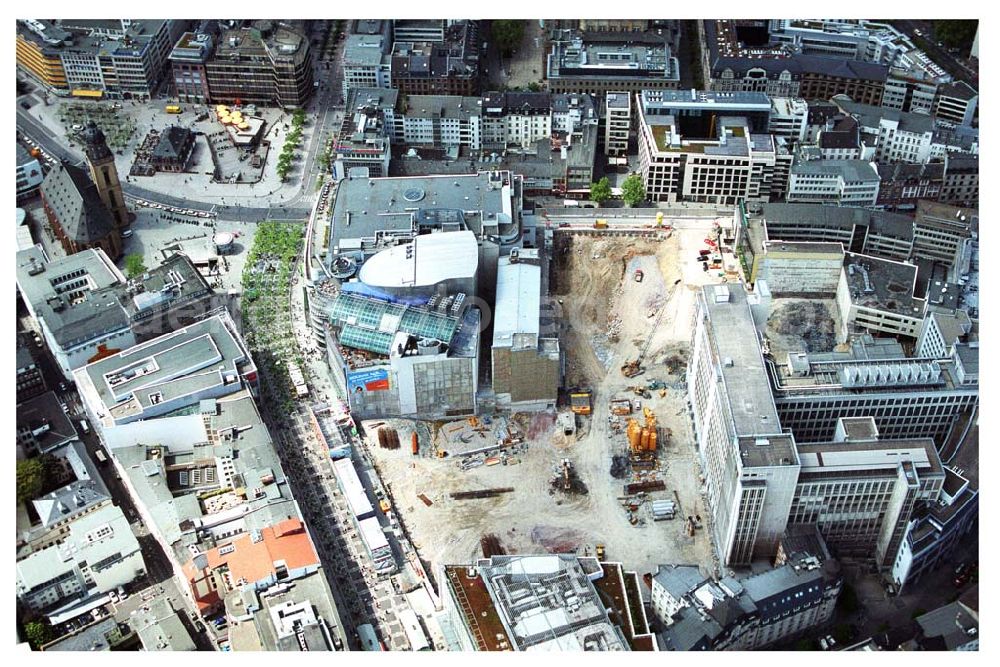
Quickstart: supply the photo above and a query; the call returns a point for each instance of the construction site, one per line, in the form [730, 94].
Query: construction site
[613, 472]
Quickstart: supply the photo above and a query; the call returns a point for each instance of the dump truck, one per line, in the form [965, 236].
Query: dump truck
[638, 275]
[600, 224]
[579, 402]
[600, 552]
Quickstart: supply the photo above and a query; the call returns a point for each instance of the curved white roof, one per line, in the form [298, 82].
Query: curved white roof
[427, 260]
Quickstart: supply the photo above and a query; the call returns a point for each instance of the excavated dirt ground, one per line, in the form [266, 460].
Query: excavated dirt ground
[593, 276]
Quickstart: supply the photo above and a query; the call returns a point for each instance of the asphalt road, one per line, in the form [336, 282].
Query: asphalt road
[957, 68]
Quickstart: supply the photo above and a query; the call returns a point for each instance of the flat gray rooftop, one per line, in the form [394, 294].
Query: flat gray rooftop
[843, 218]
[825, 458]
[367, 208]
[850, 170]
[747, 389]
[442, 106]
[364, 50]
[884, 285]
[67, 293]
[870, 116]
[817, 247]
[618, 100]
[708, 99]
[173, 365]
[768, 451]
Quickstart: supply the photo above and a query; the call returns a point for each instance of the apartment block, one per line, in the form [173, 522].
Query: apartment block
[833, 182]
[30, 382]
[957, 103]
[515, 118]
[366, 62]
[440, 121]
[82, 493]
[618, 122]
[365, 133]
[99, 554]
[897, 136]
[902, 185]
[961, 180]
[745, 613]
[42, 425]
[910, 90]
[935, 534]
[841, 140]
[445, 66]
[940, 331]
[789, 118]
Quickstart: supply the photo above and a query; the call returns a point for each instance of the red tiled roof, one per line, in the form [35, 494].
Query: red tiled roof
[251, 561]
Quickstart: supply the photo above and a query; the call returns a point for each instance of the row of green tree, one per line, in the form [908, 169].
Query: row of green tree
[290, 148]
[633, 190]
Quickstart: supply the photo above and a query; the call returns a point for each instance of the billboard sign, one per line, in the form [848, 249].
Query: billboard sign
[369, 379]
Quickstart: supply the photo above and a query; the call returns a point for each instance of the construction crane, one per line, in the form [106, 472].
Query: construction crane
[633, 368]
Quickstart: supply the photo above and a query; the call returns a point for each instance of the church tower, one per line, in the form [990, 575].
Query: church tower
[104, 174]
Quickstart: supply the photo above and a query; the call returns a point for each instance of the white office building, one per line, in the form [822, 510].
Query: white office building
[833, 182]
[750, 464]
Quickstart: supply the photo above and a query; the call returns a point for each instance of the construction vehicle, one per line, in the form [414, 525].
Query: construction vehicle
[631, 368]
[600, 224]
[640, 391]
[659, 218]
[600, 552]
[620, 406]
[579, 402]
[638, 275]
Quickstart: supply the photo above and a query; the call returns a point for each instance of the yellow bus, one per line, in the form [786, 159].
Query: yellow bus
[173, 108]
